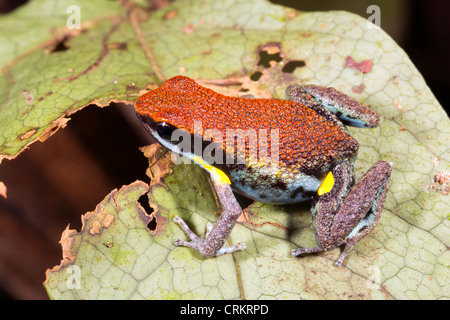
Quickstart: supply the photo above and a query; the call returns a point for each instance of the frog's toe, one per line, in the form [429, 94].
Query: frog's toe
[231, 249]
[299, 251]
[348, 246]
[186, 229]
[182, 243]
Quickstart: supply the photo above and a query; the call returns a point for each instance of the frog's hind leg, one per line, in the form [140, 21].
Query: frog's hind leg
[326, 203]
[372, 188]
[347, 213]
[347, 109]
[213, 244]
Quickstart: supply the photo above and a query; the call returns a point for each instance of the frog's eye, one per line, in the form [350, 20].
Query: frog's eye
[165, 130]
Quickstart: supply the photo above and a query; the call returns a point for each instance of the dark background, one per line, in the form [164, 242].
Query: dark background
[53, 183]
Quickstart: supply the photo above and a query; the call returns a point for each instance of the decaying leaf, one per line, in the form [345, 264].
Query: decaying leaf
[101, 246]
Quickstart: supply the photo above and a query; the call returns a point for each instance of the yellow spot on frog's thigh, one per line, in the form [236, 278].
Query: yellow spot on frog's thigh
[220, 175]
[326, 185]
[217, 174]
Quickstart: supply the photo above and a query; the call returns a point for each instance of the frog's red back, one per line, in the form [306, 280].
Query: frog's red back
[307, 140]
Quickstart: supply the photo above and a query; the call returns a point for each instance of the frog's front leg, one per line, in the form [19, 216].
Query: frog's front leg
[346, 213]
[216, 235]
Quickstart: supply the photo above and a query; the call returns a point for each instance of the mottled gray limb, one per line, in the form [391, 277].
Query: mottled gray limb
[299, 251]
[213, 244]
[348, 213]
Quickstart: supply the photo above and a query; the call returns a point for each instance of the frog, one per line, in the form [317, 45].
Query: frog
[312, 158]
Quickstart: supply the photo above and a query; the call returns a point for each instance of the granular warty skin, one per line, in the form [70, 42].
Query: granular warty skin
[308, 141]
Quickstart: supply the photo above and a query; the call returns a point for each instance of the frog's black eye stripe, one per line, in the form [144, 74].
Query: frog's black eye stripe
[164, 130]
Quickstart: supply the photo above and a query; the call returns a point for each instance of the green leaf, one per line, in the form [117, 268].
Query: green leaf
[123, 49]
[40, 86]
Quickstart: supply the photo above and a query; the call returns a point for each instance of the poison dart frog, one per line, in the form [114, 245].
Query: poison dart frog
[309, 154]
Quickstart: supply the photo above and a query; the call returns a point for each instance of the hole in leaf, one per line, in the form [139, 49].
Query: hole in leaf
[61, 46]
[266, 57]
[152, 224]
[256, 75]
[143, 201]
[292, 65]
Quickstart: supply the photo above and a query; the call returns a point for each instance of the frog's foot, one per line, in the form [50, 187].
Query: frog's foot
[211, 246]
[339, 261]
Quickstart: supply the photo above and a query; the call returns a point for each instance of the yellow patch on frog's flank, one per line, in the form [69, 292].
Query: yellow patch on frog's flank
[326, 185]
[218, 174]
